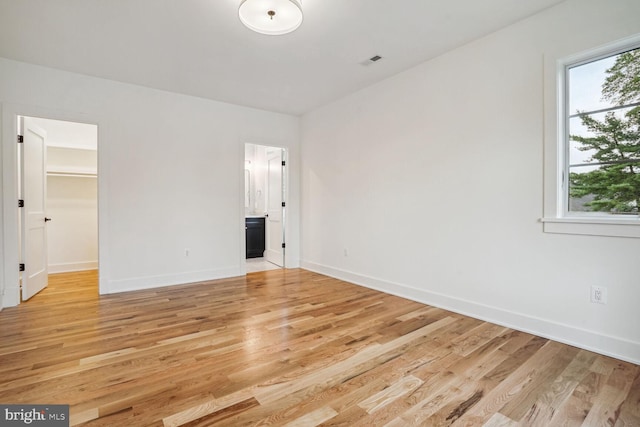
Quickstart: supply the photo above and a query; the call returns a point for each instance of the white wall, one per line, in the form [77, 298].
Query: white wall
[72, 235]
[432, 181]
[170, 175]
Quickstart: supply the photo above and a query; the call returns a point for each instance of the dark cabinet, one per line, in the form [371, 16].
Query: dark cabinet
[255, 237]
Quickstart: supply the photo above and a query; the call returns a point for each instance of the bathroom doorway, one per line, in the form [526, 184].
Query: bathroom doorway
[265, 207]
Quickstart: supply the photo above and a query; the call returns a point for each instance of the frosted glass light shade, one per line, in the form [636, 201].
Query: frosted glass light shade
[272, 17]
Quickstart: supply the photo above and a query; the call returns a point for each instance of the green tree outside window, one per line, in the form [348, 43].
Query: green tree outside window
[613, 143]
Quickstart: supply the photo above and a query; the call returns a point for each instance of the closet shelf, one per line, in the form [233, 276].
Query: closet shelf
[72, 147]
[69, 172]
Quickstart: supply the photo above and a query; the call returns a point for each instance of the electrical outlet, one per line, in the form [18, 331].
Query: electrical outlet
[598, 294]
[186, 251]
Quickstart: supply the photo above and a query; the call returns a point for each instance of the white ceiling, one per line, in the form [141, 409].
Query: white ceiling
[199, 47]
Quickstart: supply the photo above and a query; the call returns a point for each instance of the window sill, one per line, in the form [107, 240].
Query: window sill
[619, 227]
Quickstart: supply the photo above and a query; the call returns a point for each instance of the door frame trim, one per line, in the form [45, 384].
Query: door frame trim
[286, 198]
[9, 253]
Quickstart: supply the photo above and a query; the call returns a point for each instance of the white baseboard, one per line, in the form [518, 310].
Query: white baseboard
[617, 347]
[12, 295]
[72, 266]
[149, 282]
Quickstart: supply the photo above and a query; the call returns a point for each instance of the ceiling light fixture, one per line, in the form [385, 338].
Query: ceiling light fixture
[271, 17]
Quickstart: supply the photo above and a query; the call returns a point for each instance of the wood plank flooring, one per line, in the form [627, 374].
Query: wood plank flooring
[294, 348]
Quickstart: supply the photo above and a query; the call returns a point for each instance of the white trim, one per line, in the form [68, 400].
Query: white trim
[3, 282]
[243, 232]
[592, 226]
[568, 226]
[603, 51]
[10, 211]
[594, 220]
[150, 282]
[69, 267]
[556, 217]
[617, 347]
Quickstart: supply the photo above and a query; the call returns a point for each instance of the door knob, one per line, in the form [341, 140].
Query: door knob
[47, 219]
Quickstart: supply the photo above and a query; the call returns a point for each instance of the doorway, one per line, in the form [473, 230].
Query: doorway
[58, 221]
[264, 207]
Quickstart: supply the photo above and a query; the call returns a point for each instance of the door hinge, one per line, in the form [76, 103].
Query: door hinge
[284, 204]
[284, 163]
[21, 203]
[20, 139]
[21, 267]
[284, 245]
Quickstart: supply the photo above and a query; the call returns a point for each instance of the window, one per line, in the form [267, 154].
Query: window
[597, 186]
[603, 135]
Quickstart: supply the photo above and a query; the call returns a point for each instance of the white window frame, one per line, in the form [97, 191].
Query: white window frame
[557, 218]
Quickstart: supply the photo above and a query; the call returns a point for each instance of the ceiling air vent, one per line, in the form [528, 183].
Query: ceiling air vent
[371, 60]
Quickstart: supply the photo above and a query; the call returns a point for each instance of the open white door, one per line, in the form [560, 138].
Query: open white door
[274, 252]
[34, 221]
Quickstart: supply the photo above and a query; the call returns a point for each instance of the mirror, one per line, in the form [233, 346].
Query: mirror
[247, 188]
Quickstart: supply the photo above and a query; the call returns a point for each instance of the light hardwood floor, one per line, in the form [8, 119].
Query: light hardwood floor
[295, 348]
